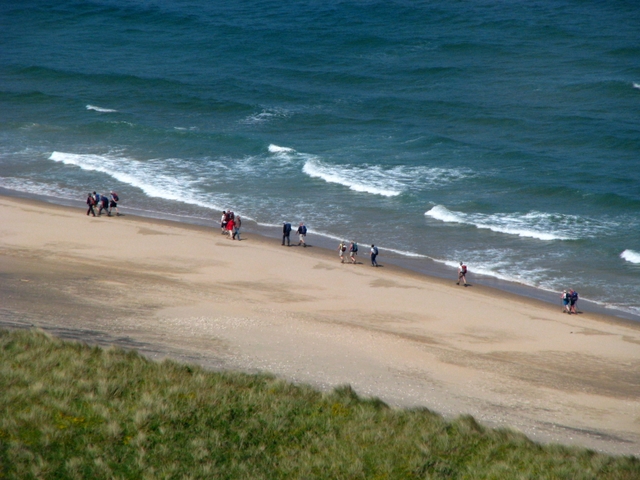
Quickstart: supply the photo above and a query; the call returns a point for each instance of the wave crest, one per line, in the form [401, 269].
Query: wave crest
[376, 182]
[539, 225]
[100, 109]
[143, 175]
[631, 256]
[276, 149]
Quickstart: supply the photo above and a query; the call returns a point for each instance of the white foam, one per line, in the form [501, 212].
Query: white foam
[538, 225]
[100, 109]
[404, 253]
[147, 176]
[636, 85]
[388, 182]
[630, 256]
[358, 180]
[276, 149]
[37, 188]
[265, 115]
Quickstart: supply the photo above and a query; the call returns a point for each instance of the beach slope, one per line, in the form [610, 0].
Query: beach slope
[186, 292]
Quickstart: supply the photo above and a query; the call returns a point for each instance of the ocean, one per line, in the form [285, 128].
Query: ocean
[502, 134]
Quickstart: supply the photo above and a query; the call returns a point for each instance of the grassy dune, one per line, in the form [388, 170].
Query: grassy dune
[68, 410]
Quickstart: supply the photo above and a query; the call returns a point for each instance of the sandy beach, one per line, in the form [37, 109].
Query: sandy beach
[186, 292]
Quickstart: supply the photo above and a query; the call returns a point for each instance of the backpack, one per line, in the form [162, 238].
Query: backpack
[375, 250]
[115, 197]
[303, 230]
[343, 247]
[355, 248]
[463, 268]
[574, 296]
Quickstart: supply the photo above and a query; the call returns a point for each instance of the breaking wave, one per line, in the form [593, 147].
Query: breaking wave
[630, 256]
[372, 180]
[539, 225]
[100, 109]
[376, 180]
[146, 176]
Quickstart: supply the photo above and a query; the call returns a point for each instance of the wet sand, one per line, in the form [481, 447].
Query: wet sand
[186, 292]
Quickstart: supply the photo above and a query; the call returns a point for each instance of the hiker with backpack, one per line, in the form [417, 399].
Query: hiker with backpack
[302, 232]
[353, 251]
[374, 253]
[341, 249]
[90, 203]
[462, 274]
[573, 299]
[103, 203]
[113, 203]
[566, 298]
[236, 228]
[286, 233]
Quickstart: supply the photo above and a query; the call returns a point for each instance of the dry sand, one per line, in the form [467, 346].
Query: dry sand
[174, 290]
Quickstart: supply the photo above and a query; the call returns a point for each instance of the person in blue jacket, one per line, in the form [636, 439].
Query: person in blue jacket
[286, 233]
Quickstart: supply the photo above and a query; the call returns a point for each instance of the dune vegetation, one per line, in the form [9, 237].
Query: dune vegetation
[69, 410]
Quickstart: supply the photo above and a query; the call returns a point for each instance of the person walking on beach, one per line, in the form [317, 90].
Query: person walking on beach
[286, 233]
[565, 302]
[573, 300]
[462, 274]
[98, 202]
[374, 253]
[341, 249]
[113, 203]
[302, 232]
[223, 223]
[231, 224]
[353, 251]
[90, 203]
[104, 204]
[236, 228]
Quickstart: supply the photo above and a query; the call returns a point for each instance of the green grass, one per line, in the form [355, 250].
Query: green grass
[68, 410]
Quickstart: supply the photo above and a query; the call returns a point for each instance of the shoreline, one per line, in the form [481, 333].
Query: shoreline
[421, 266]
[169, 289]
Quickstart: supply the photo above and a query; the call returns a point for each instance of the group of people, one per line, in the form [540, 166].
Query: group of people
[102, 202]
[230, 224]
[353, 252]
[569, 300]
[342, 248]
[301, 231]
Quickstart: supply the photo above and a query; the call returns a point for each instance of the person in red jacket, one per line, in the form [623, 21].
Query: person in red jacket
[230, 228]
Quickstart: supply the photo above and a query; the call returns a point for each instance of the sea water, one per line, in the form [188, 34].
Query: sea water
[502, 134]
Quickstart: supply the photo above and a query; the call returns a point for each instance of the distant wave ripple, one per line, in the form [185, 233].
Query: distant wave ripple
[630, 256]
[539, 225]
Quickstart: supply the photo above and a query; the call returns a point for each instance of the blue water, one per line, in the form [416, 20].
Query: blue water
[504, 134]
